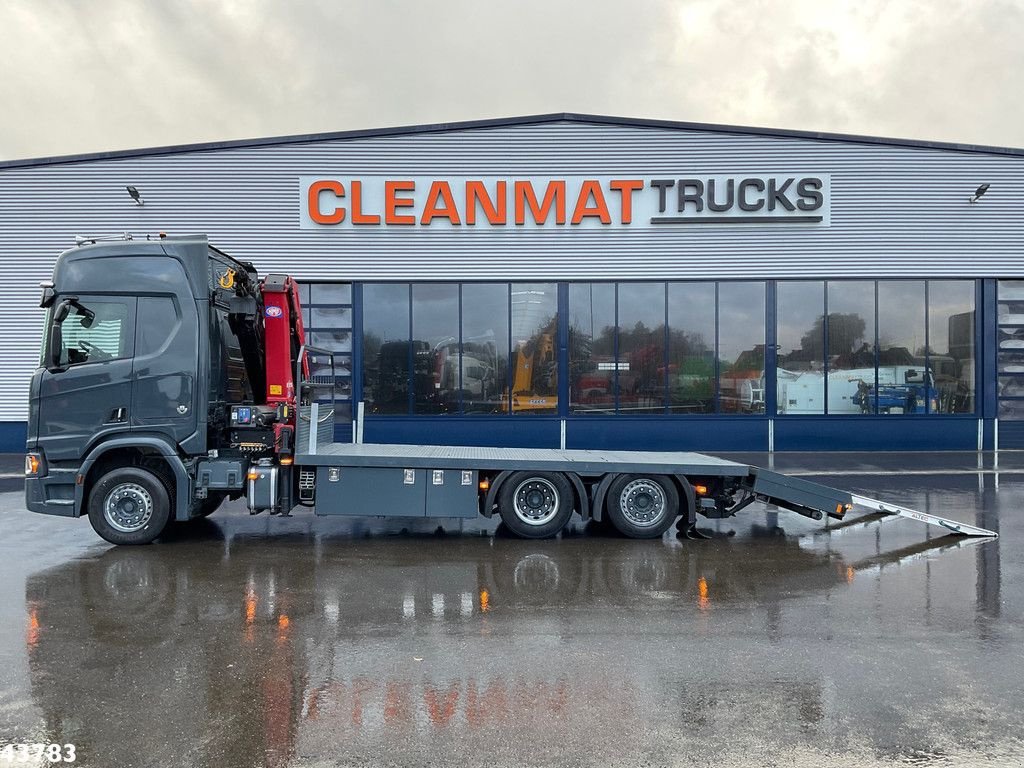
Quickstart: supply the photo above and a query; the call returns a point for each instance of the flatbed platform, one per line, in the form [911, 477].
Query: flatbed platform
[552, 459]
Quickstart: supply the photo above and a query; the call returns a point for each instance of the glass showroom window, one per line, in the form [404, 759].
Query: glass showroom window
[386, 349]
[485, 351]
[617, 366]
[592, 347]
[435, 348]
[800, 329]
[641, 348]
[741, 308]
[534, 359]
[691, 347]
[626, 367]
[904, 386]
[850, 384]
[951, 343]
[919, 360]
[826, 358]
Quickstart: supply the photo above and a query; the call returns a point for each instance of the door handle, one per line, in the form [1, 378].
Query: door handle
[118, 415]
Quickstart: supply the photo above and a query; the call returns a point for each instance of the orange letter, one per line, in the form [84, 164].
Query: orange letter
[626, 188]
[496, 213]
[441, 711]
[313, 202]
[590, 189]
[392, 203]
[358, 217]
[555, 193]
[430, 209]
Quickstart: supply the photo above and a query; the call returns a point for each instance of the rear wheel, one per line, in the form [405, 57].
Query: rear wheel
[535, 505]
[643, 507]
[129, 505]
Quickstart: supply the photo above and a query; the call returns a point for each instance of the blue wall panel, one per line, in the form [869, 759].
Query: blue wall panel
[1011, 434]
[12, 436]
[876, 433]
[709, 433]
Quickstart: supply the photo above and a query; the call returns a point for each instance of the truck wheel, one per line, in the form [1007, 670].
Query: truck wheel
[129, 505]
[643, 507]
[535, 505]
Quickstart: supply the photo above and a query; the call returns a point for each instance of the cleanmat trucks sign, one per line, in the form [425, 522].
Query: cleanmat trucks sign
[565, 202]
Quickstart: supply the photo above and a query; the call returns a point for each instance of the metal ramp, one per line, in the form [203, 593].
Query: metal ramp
[953, 526]
[813, 499]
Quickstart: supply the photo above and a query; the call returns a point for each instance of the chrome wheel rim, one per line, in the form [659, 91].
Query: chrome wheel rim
[536, 501]
[128, 508]
[642, 502]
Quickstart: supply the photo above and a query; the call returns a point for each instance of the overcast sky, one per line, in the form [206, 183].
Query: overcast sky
[112, 74]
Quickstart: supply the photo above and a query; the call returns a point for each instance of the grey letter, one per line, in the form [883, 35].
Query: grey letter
[662, 185]
[778, 195]
[810, 190]
[730, 196]
[697, 198]
[756, 184]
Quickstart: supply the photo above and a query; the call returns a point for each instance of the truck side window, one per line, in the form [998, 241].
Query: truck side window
[102, 337]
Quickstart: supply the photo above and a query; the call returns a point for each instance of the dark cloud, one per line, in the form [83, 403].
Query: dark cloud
[80, 77]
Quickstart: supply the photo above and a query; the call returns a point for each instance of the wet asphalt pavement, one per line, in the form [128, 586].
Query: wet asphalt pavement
[262, 641]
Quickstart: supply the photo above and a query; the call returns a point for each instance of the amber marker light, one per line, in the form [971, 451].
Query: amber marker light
[485, 484]
[703, 602]
[32, 635]
[700, 490]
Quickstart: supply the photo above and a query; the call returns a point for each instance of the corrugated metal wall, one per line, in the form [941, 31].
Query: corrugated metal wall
[895, 211]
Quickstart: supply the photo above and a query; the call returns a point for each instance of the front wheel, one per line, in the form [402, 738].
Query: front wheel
[535, 505]
[643, 507]
[129, 505]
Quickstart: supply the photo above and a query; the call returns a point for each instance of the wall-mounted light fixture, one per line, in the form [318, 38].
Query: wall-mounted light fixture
[978, 193]
[135, 195]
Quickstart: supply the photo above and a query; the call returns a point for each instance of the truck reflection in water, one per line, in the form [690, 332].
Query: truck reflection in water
[230, 649]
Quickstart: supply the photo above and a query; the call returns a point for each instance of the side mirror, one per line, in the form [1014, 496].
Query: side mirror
[56, 339]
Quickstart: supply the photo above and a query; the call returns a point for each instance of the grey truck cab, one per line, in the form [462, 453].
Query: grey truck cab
[141, 351]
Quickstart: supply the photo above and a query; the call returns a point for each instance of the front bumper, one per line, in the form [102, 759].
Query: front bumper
[50, 495]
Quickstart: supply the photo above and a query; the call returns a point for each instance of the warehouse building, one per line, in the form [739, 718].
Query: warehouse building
[593, 282]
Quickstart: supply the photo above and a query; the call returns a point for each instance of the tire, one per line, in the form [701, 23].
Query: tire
[535, 505]
[642, 506]
[129, 505]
